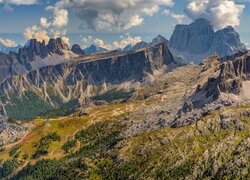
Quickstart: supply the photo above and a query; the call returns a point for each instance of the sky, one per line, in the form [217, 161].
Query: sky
[114, 23]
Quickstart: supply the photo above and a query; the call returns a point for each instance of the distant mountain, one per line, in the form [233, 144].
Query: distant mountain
[158, 40]
[77, 49]
[6, 50]
[140, 45]
[198, 40]
[94, 49]
[128, 48]
[227, 42]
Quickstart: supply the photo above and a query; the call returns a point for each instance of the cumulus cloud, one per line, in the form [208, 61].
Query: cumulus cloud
[19, 2]
[178, 17]
[124, 41]
[87, 41]
[113, 14]
[8, 42]
[37, 33]
[166, 12]
[221, 13]
[60, 17]
[53, 27]
[120, 44]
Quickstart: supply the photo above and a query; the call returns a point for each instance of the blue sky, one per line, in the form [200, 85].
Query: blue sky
[144, 25]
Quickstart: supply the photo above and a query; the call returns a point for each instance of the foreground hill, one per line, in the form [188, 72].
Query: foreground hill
[160, 129]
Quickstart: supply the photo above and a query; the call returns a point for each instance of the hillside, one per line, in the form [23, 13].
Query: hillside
[144, 132]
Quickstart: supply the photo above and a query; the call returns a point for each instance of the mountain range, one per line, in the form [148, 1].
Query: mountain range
[137, 113]
[6, 50]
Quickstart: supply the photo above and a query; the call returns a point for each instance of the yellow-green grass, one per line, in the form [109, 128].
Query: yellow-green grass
[66, 127]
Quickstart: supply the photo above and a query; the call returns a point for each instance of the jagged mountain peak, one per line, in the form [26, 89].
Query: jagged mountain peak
[158, 39]
[92, 49]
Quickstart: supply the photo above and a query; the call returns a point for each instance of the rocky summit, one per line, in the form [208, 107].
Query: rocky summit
[199, 40]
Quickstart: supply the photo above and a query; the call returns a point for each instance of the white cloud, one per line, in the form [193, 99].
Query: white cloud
[166, 12]
[60, 16]
[36, 33]
[178, 17]
[123, 42]
[8, 42]
[221, 13]
[44, 22]
[19, 2]
[111, 15]
[87, 41]
[53, 27]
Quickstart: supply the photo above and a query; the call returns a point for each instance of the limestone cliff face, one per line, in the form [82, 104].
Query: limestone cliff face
[198, 40]
[73, 79]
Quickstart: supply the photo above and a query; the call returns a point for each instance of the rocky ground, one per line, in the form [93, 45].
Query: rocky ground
[10, 132]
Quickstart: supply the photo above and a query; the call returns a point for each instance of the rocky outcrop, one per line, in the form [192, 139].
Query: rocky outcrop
[198, 40]
[230, 85]
[9, 132]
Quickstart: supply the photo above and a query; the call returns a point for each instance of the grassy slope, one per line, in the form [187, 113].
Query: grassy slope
[191, 151]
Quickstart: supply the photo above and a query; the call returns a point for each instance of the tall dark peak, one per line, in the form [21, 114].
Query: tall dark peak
[198, 40]
[57, 46]
[32, 48]
[195, 38]
[227, 42]
[35, 47]
[77, 49]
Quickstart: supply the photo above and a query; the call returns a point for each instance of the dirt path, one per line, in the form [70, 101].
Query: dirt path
[10, 146]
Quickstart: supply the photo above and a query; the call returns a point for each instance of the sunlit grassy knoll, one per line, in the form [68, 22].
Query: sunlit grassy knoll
[66, 127]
